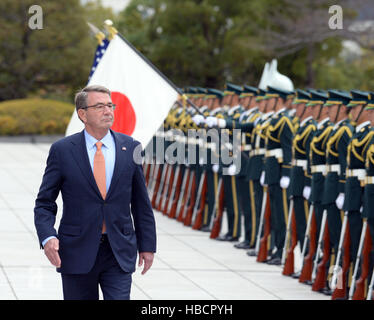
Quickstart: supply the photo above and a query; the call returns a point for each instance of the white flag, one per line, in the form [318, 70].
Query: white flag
[142, 96]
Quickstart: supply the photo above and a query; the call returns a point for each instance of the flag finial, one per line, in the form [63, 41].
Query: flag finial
[111, 30]
[99, 35]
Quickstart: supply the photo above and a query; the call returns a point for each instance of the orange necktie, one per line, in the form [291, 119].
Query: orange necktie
[99, 172]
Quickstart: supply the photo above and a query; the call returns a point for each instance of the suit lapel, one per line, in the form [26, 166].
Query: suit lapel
[79, 152]
[123, 155]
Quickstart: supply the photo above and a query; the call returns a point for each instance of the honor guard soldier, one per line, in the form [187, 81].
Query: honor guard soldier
[336, 152]
[278, 156]
[317, 152]
[246, 123]
[368, 207]
[229, 170]
[353, 192]
[257, 155]
[300, 146]
[316, 166]
[210, 163]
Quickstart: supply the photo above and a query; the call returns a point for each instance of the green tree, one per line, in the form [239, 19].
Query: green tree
[54, 61]
[200, 42]
[208, 42]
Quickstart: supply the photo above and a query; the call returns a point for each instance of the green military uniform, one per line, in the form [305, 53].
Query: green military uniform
[257, 154]
[246, 123]
[336, 153]
[360, 142]
[368, 207]
[212, 152]
[301, 140]
[317, 156]
[278, 158]
[230, 182]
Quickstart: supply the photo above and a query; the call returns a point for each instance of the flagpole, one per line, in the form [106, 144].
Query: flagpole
[159, 72]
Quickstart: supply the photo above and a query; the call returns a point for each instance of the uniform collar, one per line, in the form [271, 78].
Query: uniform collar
[279, 111]
[252, 110]
[292, 112]
[322, 122]
[245, 113]
[233, 109]
[267, 115]
[215, 111]
[362, 125]
[305, 120]
[336, 126]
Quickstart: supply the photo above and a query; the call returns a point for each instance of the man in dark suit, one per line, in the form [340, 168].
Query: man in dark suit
[101, 182]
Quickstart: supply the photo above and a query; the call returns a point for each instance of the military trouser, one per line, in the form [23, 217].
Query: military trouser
[231, 202]
[371, 261]
[249, 211]
[334, 221]
[258, 193]
[212, 186]
[355, 228]
[301, 212]
[318, 210]
[279, 212]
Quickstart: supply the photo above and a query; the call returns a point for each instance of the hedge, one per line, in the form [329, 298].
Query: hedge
[34, 116]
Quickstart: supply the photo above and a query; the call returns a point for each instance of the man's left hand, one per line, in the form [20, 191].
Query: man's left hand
[147, 257]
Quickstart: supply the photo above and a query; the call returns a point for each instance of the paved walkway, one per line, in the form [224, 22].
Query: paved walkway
[188, 265]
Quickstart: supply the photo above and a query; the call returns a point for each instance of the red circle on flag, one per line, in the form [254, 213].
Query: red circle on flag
[124, 114]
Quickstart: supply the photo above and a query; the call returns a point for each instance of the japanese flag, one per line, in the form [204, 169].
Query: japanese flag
[143, 97]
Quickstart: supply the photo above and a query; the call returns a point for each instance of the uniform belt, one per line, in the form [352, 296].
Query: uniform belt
[319, 168]
[278, 153]
[333, 168]
[257, 152]
[247, 147]
[369, 180]
[360, 174]
[300, 163]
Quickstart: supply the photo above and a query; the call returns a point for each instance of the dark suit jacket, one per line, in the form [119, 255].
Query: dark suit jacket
[68, 170]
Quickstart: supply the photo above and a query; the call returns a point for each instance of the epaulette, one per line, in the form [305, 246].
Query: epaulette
[357, 144]
[370, 156]
[281, 123]
[322, 138]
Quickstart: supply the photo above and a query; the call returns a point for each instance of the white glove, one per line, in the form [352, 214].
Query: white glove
[284, 182]
[211, 121]
[262, 179]
[340, 201]
[306, 192]
[215, 168]
[232, 170]
[221, 123]
[198, 118]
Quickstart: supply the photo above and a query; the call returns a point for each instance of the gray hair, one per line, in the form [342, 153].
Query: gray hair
[81, 96]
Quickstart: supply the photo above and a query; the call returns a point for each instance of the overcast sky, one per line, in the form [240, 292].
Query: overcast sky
[116, 5]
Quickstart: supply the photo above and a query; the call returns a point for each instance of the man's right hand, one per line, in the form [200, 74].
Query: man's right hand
[51, 251]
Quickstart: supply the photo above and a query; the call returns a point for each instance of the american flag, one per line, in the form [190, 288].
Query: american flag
[100, 50]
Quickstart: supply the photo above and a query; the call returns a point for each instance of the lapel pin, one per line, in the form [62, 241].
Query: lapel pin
[123, 148]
